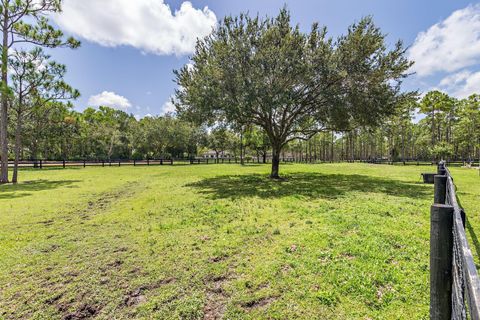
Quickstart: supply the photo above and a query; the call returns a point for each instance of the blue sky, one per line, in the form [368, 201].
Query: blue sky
[129, 48]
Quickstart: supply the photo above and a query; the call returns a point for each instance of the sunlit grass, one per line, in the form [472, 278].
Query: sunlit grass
[333, 241]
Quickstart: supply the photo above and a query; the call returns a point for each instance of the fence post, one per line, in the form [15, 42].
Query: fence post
[119, 162]
[441, 168]
[84, 164]
[41, 165]
[63, 164]
[148, 161]
[161, 162]
[441, 251]
[103, 163]
[440, 189]
[134, 162]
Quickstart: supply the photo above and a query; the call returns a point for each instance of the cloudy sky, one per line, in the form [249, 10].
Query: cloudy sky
[130, 48]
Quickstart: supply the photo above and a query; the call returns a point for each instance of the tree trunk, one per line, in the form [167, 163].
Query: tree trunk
[241, 147]
[275, 163]
[332, 156]
[18, 146]
[4, 104]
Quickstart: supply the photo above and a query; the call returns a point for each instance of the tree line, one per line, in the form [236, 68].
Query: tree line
[256, 87]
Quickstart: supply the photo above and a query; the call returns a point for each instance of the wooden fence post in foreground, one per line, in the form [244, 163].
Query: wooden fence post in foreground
[441, 252]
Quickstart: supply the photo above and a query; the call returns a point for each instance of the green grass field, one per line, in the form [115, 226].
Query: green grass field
[333, 241]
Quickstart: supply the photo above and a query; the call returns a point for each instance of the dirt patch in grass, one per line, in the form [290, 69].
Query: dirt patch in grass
[105, 200]
[138, 296]
[215, 299]
[258, 303]
[84, 312]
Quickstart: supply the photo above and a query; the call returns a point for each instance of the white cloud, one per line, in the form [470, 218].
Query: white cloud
[168, 107]
[455, 79]
[449, 45]
[139, 117]
[109, 99]
[461, 84]
[149, 25]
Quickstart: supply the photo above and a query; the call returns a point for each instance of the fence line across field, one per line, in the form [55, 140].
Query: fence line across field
[41, 163]
[454, 281]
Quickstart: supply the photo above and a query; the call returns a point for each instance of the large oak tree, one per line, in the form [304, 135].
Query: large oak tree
[268, 73]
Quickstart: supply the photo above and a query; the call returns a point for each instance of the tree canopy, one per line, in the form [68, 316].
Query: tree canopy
[268, 73]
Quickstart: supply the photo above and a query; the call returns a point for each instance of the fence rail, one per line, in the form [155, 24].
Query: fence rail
[454, 281]
[85, 163]
[40, 164]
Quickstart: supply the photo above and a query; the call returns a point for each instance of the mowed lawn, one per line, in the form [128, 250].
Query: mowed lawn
[333, 241]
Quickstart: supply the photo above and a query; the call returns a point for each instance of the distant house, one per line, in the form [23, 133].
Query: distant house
[211, 154]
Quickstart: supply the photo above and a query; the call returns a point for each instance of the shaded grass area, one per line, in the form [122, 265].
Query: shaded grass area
[304, 184]
[333, 241]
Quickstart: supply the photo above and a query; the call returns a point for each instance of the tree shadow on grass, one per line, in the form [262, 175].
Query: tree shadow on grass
[309, 185]
[11, 191]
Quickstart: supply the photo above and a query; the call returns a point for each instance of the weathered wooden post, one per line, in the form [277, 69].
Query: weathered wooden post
[441, 250]
[134, 162]
[441, 168]
[84, 163]
[440, 189]
[63, 164]
[41, 165]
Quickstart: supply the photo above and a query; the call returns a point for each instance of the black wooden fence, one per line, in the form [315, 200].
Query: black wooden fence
[40, 164]
[130, 162]
[454, 281]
